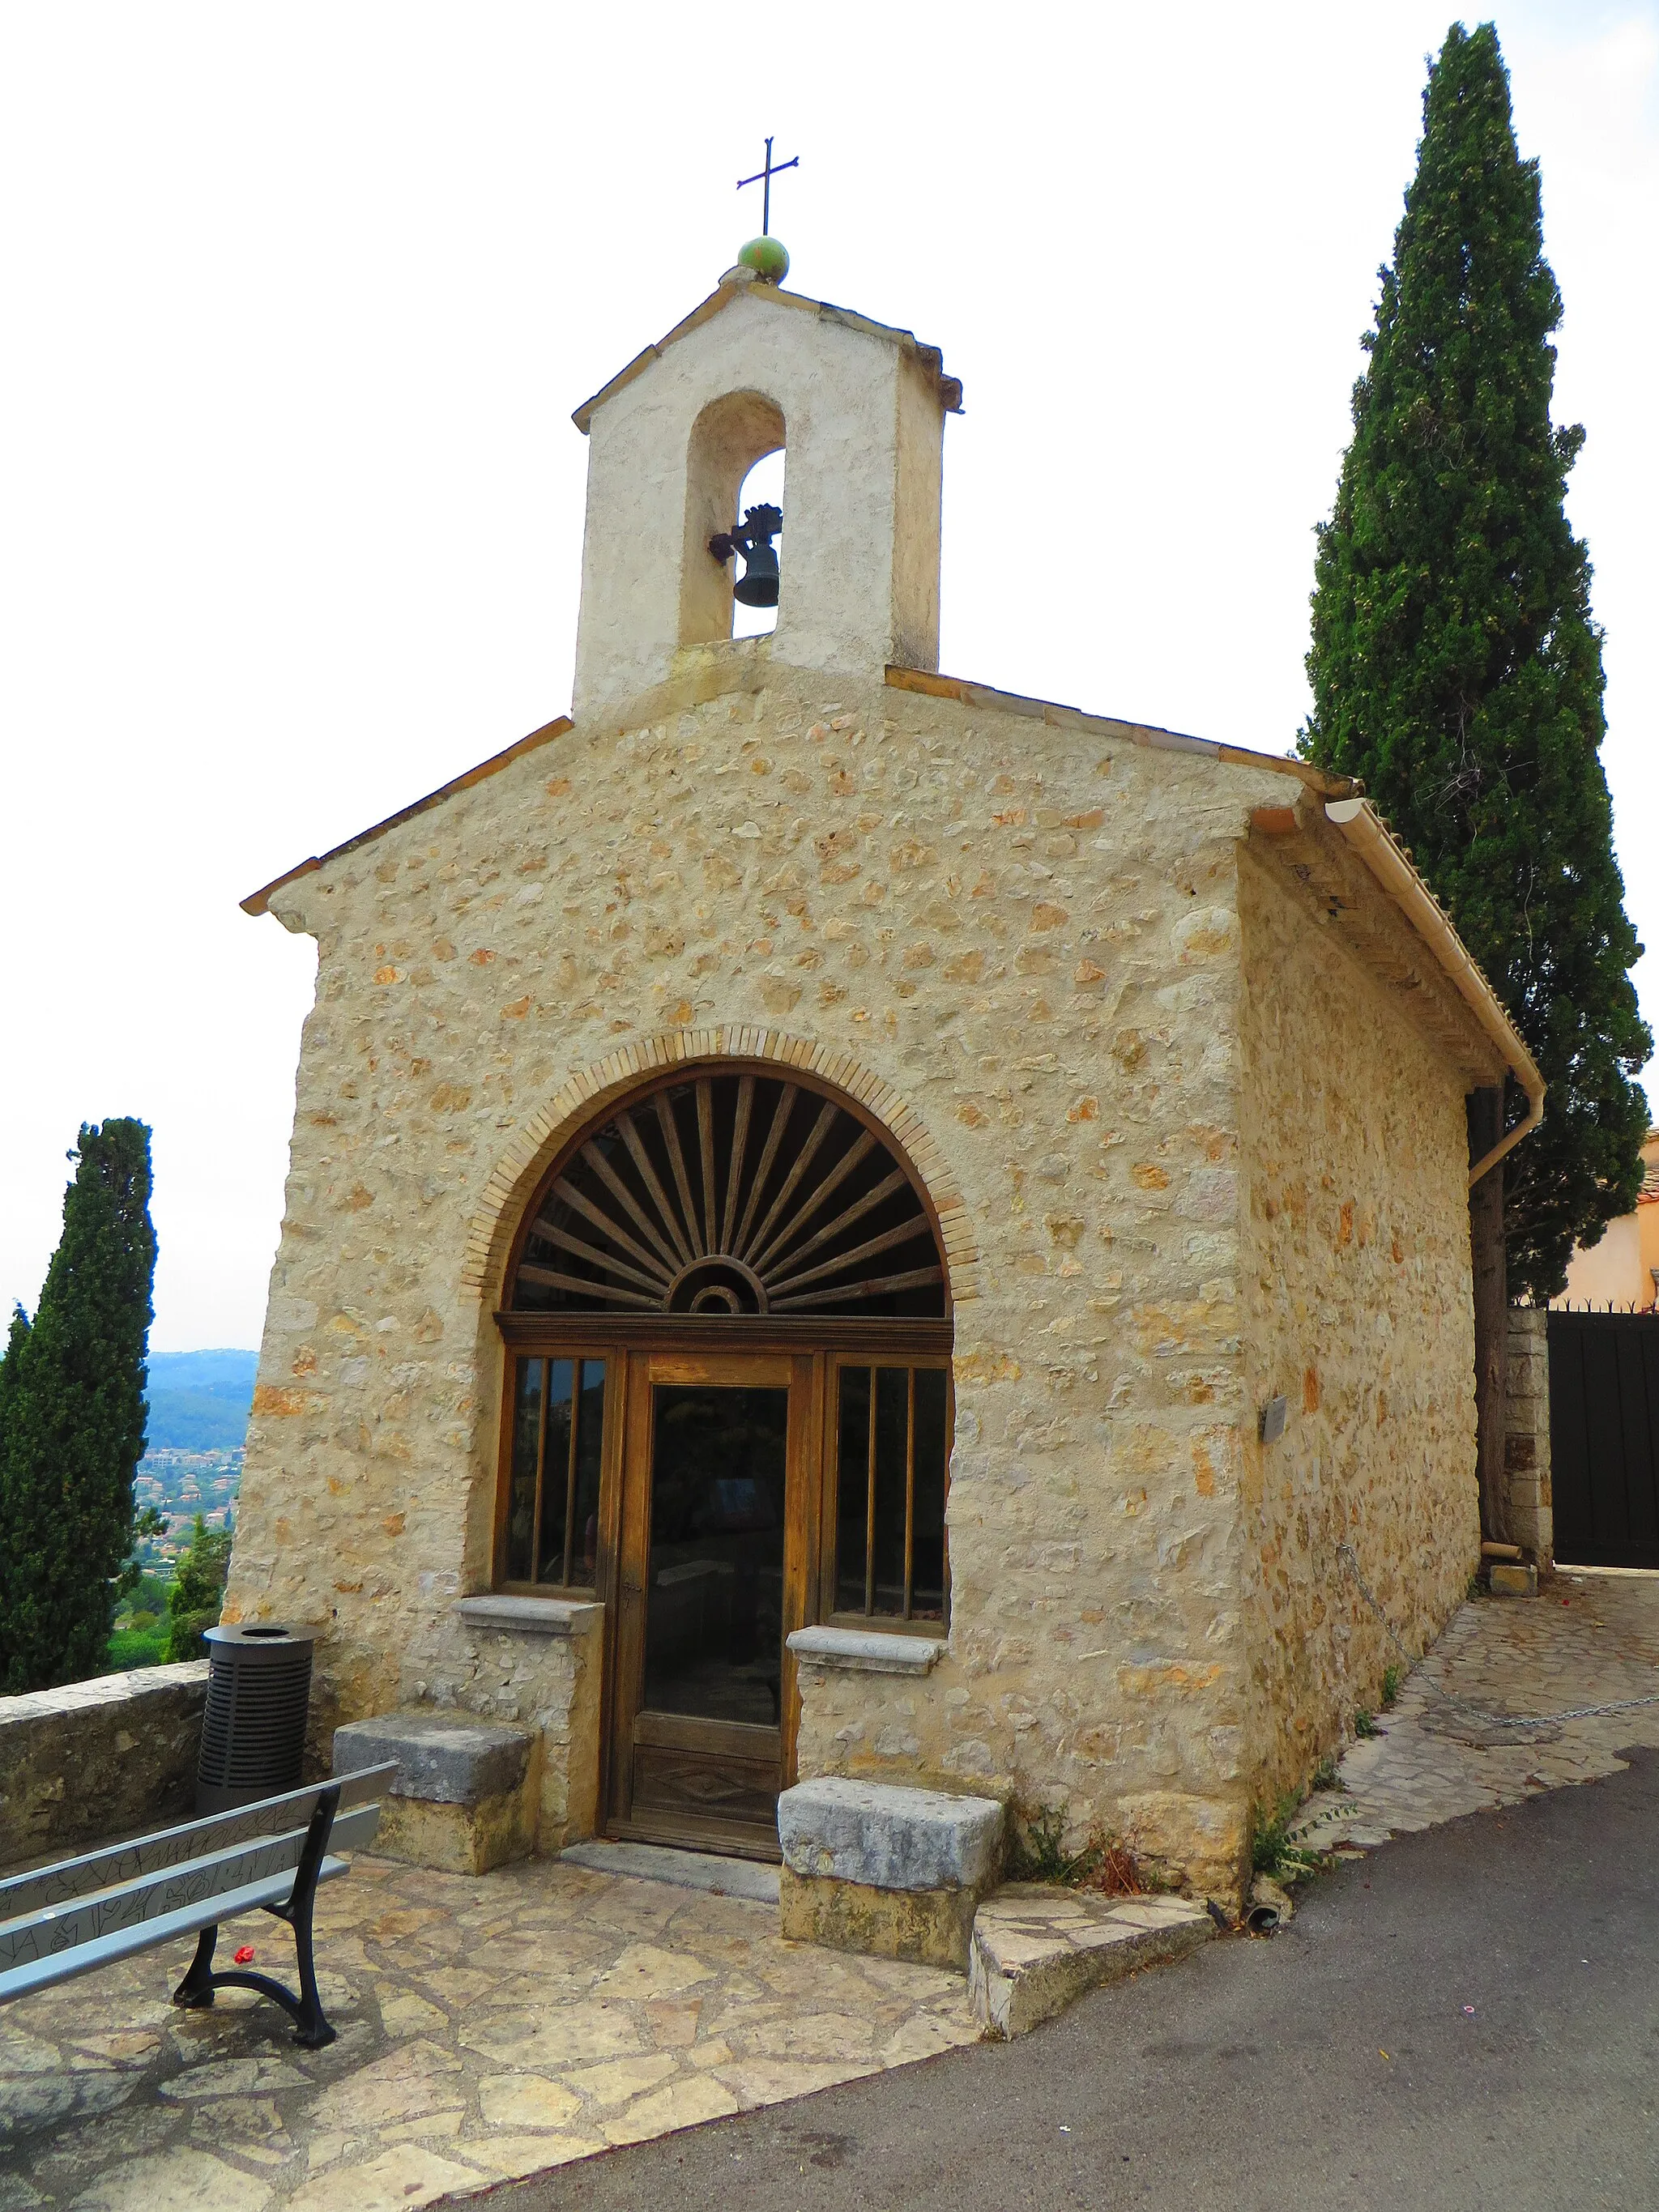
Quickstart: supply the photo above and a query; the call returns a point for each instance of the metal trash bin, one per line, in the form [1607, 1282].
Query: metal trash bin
[254, 1731]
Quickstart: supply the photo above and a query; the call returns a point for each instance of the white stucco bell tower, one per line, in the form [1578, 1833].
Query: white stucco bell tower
[859, 408]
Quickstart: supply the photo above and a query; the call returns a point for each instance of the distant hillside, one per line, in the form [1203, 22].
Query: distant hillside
[199, 1400]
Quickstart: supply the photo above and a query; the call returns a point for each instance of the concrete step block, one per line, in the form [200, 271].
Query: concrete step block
[884, 1836]
[1513, 1581]
[1037, 1949]
[465, 1799]
[893, 1872]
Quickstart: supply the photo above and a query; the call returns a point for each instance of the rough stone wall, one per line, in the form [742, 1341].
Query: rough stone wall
[96, 1760]
[1358, 1310]
[1529, 1509]
[547, 1682]
[1029, 930]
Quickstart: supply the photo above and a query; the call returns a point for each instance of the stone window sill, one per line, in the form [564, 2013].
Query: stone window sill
[531, 1616]
[866, 1651]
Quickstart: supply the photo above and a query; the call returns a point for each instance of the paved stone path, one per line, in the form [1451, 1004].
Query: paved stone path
[1589, 1638]
[488, 2028]
[496, 2027]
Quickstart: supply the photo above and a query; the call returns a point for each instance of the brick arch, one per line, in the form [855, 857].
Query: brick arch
[513, 1179]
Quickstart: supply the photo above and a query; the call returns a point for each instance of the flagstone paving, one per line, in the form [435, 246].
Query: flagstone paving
[497, 2026]
[488, 2028]
[1590, 1636]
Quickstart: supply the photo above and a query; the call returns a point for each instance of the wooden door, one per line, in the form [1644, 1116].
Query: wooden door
[717, 1554]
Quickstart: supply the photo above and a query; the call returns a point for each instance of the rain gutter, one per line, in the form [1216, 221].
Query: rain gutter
[1370, 838]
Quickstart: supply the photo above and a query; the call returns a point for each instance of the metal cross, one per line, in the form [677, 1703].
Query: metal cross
[763, 178]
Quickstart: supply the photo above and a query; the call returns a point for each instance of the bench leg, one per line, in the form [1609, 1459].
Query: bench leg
[311, 2027]
[197, 1987]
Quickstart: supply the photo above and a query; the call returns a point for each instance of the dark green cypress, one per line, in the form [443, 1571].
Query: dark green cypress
[72, 1420]
[1455, 665]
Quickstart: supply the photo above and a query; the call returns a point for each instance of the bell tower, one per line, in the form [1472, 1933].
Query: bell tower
[858, 408]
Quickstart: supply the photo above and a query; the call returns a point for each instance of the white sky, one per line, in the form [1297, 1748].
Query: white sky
[300, 299]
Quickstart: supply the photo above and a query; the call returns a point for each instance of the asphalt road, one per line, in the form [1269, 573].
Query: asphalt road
[1468, 2018]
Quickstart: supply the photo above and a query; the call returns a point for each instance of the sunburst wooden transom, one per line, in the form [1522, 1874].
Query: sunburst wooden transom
[731, 1194]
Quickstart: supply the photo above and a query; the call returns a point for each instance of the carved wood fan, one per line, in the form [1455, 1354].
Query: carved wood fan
[733, 1195]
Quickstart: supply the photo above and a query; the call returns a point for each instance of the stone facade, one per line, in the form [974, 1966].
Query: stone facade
[1529, 1511]
[1356, 1308]
[1044, 937]
[1182, 1080]
[99, 1760]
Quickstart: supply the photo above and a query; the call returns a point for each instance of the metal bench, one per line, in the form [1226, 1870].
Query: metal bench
[69, 1919]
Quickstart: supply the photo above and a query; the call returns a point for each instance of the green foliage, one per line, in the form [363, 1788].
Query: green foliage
[133, 1647]
[1392, 1676]
[1454, 664]
[72, 1421]
[1271, 1851]
[148, 1596]
[198, 1592]
[1325, 1774]
[149, 1522]
[1364, 1723]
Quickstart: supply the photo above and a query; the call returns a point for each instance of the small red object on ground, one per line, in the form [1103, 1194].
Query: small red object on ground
[245, 1956]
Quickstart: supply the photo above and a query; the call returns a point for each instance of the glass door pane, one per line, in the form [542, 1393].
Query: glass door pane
[713, 1613]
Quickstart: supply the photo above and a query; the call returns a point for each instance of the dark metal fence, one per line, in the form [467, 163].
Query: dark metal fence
[1604, 1437]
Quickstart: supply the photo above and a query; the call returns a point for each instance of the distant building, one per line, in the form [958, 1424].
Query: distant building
[1623, 1269]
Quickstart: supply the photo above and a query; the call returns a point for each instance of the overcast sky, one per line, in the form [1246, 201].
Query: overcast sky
[300, 299]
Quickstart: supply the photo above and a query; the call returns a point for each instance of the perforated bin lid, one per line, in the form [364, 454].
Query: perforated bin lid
[261, 1636]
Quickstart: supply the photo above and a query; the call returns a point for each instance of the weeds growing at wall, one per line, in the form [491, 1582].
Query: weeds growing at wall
[1272, 1852]
[1038, 1852]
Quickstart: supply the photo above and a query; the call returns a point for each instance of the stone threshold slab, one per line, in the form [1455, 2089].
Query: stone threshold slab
[1037, 1949]
[702, 1870]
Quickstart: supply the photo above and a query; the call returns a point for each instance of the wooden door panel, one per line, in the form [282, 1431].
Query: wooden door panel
[692, 1786]
[724, 1371]
[689, 1732]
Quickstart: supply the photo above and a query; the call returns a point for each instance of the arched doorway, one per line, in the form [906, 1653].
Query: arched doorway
[728, 1417]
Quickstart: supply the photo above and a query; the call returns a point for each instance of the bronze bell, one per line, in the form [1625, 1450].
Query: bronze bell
[757, 587]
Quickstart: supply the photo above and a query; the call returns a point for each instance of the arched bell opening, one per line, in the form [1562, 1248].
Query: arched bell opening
[731, 436]
[757, 588]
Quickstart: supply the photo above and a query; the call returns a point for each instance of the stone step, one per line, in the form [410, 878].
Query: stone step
[881, 1867]
[708, 1871]
[465, 1795]
[1037, 1949]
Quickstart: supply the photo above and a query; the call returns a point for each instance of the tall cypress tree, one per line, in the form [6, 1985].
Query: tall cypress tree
[72, 1420]
[1455, 665]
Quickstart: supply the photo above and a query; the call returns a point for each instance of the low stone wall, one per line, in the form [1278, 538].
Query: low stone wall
[1530, 1514]
[98, 1759]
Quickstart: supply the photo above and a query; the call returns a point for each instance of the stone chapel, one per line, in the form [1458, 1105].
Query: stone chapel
[843, 1222]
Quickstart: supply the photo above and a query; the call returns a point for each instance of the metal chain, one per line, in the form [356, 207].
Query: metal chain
[1345, 1553]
